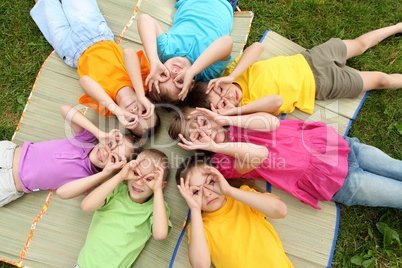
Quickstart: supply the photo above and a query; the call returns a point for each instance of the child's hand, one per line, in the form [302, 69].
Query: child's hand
[199, 140]
[128, 120]
[215, 181]
[145, 107]
[224, 107]
[219, 119]
[183, 80]
[112, 139]
[158, 74]
[155, 180]
[218, 85]
[114, 162]
[192, 196]
[131, 171]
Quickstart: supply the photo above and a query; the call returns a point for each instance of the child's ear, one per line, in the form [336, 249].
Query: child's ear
[192, 84]
[164, 184]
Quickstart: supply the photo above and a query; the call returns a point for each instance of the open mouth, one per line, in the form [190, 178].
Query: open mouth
[130, 104]
[99, 155]
[136, 190]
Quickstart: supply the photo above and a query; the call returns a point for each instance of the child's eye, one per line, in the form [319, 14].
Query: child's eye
[199, 137]
[195, 192]
[136, 173]
[211, 182]
[149, 179]
[205, 122]
[110, 144]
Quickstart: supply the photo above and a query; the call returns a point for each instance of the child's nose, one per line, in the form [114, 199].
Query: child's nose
[140, 182]
[206, 192]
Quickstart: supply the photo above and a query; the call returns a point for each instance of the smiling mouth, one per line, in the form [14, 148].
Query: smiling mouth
[130, 104]
[212, 201]
[99, 155]
[136, 190]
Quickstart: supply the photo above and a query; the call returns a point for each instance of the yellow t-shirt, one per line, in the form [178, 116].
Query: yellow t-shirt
[104, 63]
[288, 76]
[239, 236]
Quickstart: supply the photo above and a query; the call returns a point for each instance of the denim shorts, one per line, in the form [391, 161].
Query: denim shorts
[8, 192]
[71, 26]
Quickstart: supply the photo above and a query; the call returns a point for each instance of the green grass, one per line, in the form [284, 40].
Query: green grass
[308, 23]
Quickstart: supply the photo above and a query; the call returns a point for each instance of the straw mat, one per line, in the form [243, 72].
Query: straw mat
[40, 229]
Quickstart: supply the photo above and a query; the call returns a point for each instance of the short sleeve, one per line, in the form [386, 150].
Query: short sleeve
[84, 136]
[161, 44]
[120, 187]
[230, 68]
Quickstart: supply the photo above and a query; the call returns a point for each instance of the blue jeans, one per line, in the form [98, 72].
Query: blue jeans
[374, 178]
[71, 27]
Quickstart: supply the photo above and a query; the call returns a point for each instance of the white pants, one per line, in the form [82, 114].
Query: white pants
[8, 192]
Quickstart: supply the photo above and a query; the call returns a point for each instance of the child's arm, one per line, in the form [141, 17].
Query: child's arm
[269, 205]
[97, 198]
[160, 225]
[149, 30]
[198, 250]
[249, 56]
[78, 187]
[219, 50]
[95, 91]
[133, 67]
[247, 156]
[268, 104]
[260, 121]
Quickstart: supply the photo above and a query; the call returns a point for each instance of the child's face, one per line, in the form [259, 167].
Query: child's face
[202, 124]
[143, 123]
[99, 155]
[138, 189]
[175, 66]
[233, 95]
[211, 201]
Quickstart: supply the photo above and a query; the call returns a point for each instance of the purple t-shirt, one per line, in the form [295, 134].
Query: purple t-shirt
[50, 164]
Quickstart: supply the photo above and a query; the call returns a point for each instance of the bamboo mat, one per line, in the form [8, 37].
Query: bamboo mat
[338, 113]
[40, 229]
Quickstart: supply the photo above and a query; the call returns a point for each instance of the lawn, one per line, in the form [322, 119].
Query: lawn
[308, 23]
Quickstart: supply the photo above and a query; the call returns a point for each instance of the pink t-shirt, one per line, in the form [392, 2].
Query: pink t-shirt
[50, 164]
[306, 159]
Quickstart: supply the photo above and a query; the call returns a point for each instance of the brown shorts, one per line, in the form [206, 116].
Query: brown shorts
[333, 79]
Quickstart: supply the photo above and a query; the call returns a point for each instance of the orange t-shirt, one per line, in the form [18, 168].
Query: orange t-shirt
[104, 63]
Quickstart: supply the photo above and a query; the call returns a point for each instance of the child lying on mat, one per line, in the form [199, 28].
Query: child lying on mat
[309, 160]
[75, 161]
[112, 79]
[318, 73]
[129, 208]
[227, 223]
[197, 46]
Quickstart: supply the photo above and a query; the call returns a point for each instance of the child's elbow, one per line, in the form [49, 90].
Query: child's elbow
[258, 46]
[277, 101]
[228, 41]
[61, 193]
[143, 19]
[129, 52]
[85, 207]
[160, 236]
[282, 210]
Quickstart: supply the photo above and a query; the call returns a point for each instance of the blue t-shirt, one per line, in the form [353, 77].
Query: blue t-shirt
[196, 24]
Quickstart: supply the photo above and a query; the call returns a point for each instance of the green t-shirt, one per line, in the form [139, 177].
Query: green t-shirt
[118, 231]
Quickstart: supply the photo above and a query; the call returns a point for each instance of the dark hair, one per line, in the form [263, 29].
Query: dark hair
[164, 97]
[159, 158]
[178, 123]
[198, 97]
[202, 159]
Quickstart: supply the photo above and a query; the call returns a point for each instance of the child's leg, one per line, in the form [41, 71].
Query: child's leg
[380, 80]
[8, 191]
[51, 20]
[374, 178]
[362, 43]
